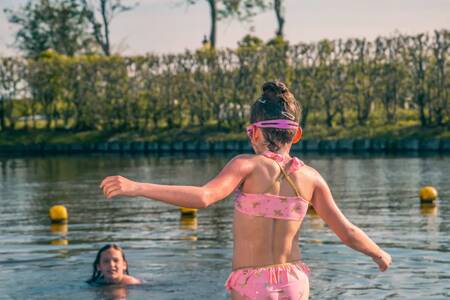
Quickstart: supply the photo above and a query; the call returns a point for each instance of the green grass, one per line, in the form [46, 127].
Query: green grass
[60, 136]
[406, 127]
[401, 130]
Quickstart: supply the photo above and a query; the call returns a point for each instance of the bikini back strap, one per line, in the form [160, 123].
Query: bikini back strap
[289, 180]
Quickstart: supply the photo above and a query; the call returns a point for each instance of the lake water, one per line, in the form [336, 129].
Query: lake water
[191, 259]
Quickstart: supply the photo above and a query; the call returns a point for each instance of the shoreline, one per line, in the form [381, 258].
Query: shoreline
[308, 145]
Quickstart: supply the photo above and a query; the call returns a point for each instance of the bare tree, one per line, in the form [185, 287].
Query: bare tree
[279, 13]
[101, 13]
[221, 9]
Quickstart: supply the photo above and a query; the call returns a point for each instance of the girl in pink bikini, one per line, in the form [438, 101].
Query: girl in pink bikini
[273, 193]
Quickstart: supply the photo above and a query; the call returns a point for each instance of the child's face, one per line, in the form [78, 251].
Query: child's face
[112, 265]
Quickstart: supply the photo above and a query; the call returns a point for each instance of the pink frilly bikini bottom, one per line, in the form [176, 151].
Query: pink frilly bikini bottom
[275, 282]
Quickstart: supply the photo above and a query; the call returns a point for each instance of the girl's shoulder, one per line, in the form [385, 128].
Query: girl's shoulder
[306, 169]
[253, 161]
[245, 159]
[310, 175]
[130, 280]
[249, 160]
[245, 156]
[243, 164]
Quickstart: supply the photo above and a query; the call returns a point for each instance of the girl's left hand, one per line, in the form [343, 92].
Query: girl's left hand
[383, 261]
[119, 186]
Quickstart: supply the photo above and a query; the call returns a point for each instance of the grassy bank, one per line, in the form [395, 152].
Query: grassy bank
[399, 131]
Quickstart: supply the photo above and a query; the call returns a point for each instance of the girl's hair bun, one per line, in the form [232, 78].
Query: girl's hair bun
[274, 87]
[276, 102]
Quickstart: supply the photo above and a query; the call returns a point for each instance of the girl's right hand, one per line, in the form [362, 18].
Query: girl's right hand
[113, 186]
[383, 261]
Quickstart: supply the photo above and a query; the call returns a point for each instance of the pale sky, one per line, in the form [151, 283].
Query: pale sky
[171, 26]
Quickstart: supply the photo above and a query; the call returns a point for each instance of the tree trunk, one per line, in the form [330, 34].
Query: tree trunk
[342, 120]
[2, 114]
[305, 114]
[328, 113]
[213, 11]
[105, 43]
[155, 121]
[33, 113]
[421, 103]
[280, 18]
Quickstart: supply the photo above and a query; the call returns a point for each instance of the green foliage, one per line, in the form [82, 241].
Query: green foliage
[342, 85]
[50, 24]
[250, 42]
[278, 41]
[11, 75]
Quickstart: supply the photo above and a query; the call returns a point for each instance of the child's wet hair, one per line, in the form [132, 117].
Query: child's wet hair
[275, 103]
[96, 274]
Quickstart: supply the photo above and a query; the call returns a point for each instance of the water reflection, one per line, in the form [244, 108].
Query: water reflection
[314, 221]
[377, 193]
[59, 230]
[189, 224]
[111, 292]
[428, 209]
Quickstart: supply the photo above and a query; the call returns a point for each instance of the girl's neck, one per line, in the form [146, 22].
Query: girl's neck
[283, 150]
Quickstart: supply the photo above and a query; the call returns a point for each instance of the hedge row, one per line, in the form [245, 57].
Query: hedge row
[338, 82]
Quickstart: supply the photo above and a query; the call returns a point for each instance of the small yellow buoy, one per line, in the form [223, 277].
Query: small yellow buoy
[428, 194]
[188, 211]
[58, 214]
[311, 211]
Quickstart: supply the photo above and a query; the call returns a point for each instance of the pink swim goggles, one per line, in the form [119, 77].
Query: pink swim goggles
[280, 123]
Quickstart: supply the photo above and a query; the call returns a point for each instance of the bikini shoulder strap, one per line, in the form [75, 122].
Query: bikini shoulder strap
[289, 180]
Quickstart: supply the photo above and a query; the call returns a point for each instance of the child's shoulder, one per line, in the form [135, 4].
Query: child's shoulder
[310, 174]
[244, 163]
[127, 279]
[246, 159]
[245, 156]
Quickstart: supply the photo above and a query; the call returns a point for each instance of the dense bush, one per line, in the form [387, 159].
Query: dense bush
[339, 82]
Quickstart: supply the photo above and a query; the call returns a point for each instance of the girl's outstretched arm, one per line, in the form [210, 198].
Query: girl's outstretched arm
[187, 196]
[349, 234]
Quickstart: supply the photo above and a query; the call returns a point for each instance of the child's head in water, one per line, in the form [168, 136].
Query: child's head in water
[276, 103]
[111, 267]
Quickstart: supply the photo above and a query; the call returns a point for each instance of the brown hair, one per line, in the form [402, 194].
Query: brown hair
[276, 102]
[96, 274]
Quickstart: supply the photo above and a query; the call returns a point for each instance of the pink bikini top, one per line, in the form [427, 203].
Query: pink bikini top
[275, 206]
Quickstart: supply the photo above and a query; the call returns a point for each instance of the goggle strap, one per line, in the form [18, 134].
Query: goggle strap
[282, 124]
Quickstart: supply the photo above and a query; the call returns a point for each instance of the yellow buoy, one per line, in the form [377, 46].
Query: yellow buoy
[185, 211]
[311, 211]
[58, 214]
[428, 194]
